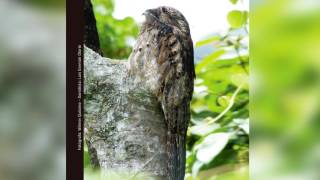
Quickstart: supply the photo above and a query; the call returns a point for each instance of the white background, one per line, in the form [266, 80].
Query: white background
[204, 16]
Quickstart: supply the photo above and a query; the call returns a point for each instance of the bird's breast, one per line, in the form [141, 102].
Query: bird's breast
[143, 61]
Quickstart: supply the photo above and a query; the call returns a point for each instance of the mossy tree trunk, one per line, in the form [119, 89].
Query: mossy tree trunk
[124, 123]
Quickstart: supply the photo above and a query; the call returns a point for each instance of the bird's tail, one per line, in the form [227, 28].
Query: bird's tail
[176, 143]
[172, 153]
[176, 156]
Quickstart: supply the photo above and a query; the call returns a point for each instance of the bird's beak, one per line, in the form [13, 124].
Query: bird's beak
[150, 15]
[149, 12]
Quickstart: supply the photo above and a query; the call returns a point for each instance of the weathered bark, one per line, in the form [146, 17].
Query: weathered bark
[124, 123]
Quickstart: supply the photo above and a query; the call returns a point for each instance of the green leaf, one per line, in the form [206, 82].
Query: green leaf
[237, 18]
[240, 79]
[243, 124]
[224, 101]
[203, 129]
[201, 66]
[86, 156]
[211, 146]
[233, 1]
[207, 41]
[196, 167]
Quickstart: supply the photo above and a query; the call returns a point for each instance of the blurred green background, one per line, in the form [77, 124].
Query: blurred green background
[285, 89]
[114, 33]
[218, 135]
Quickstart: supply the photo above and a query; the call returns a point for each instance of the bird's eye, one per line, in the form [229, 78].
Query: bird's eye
[164, 10]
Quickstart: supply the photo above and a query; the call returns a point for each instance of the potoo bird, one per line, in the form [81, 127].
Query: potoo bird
[163, 55]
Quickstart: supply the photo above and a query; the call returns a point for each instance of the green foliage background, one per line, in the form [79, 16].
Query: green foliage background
[285, 46]
[218, 135]
[114, 33]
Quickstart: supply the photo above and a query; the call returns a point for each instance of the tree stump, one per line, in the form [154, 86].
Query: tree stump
[124, 124]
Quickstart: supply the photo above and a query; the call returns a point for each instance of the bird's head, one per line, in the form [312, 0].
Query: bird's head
[167, 16]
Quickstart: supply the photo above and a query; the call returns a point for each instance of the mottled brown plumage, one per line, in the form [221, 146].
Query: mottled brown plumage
[163, 55]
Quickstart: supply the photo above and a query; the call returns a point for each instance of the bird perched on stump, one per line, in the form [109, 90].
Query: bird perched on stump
[163, 56]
